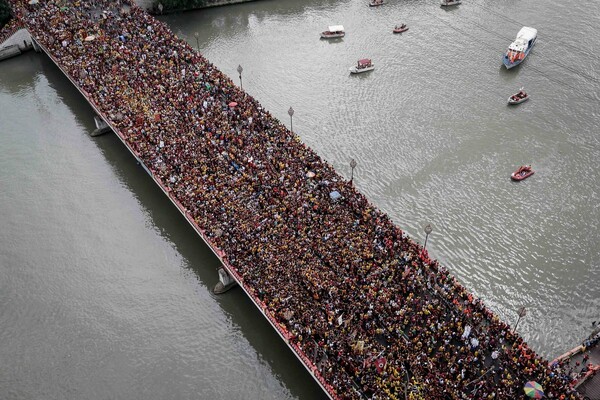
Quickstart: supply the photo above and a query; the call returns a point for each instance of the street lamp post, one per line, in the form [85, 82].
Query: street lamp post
[522, 313]
[428, 230]
[239, 70]
[352, 166]
[197, 36]
[291, 114]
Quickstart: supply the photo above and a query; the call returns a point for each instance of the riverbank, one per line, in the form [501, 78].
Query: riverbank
[171, 6]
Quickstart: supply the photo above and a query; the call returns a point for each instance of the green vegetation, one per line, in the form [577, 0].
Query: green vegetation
[174, 5]
[5, 15]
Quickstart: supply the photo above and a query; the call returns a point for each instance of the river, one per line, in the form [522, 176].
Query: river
[105, 289]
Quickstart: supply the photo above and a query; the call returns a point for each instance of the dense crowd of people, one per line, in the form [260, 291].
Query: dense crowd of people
[9, 29]
[577, 365]
[376, 317]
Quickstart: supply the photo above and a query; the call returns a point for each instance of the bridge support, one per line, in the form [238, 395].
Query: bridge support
[225, 283]
[17, 43]
[9, 52]
[35, 46]
[101, 127]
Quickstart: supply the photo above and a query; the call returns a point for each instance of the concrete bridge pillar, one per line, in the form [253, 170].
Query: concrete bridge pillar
[17, 43]
[36, 47]
[225, 283]
[101, 127]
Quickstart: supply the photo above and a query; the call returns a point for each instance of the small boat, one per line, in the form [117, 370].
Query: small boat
[523, 172]
[518, 97]
[520, 48]
[334, 31]
[363, 65]
[450, 2]
[400, 28]
[375, 3]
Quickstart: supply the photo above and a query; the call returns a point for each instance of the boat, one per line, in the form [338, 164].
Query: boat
[450, 2]
[520, 48]
[375, 3]
[523, 172]
[363, 65]
[400, 28]
[518, 97]
[334, 31]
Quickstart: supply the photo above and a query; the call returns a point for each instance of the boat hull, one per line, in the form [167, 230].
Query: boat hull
[513, 102]
[517, 176]
[400, 30]
[332, 36]
[511, 64]
[354, 70]
[445, 3]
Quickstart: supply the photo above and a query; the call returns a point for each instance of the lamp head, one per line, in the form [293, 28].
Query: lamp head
[428, 229]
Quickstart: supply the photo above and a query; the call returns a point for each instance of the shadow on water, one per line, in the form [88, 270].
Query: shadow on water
[450, 9]
[363, 75]
[199, 258]
[16, 73]
[332, 41]
[82, 111]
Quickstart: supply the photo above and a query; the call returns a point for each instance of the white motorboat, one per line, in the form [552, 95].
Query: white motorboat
[520, 48]
[334, 31]
[363, 65]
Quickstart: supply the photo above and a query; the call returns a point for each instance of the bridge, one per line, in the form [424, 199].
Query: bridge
[360, 304]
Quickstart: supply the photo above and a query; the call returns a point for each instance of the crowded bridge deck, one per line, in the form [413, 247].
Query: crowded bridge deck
[363, 307]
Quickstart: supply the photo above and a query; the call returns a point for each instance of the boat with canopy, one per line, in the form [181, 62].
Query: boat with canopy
[334, 31]
[363, 65]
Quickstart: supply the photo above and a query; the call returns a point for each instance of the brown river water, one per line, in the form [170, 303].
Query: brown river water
[105, 289]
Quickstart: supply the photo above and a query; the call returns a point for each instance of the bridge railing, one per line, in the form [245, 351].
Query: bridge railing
[10, 29]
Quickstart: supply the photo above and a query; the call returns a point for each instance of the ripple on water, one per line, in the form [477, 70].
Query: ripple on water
[94, 301]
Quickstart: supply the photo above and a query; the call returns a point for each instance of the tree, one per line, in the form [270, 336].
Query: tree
[177, 5]
[5, 14]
